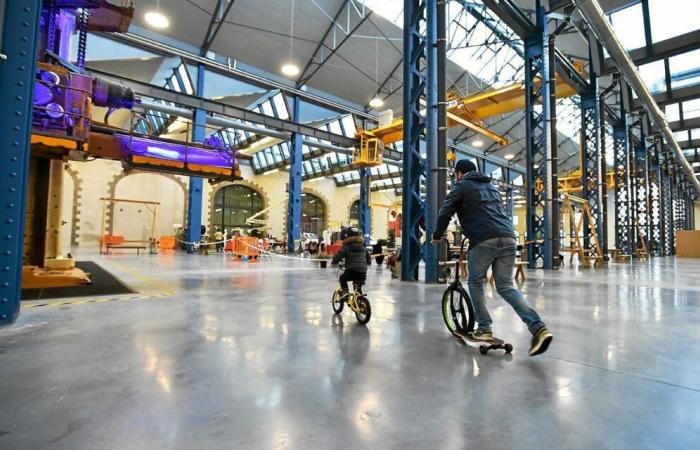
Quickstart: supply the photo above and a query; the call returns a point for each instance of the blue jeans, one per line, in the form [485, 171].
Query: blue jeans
[498, 253]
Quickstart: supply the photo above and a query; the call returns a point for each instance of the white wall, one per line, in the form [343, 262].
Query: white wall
[133, 220]
[97, 177]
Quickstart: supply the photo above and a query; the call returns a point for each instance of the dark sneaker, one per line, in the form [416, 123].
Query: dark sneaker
[483, 335]
[540, 342]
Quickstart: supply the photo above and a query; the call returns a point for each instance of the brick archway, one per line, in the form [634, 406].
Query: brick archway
[324, 200]
[112, 188]
[77, 203]
[352, 202]
[249, 184]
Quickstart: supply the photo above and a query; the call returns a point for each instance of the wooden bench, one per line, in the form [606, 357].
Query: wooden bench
[519, 272]
[447, 263]
[126, 247]
[617, 255]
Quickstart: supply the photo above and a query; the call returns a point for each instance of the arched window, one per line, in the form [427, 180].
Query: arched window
[355, 213]
[313, 214]
[233, 205]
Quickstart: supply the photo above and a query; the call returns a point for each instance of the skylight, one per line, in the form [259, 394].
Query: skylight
[471, 44]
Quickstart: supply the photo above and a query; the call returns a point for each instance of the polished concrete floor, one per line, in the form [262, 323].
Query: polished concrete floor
[216, 354]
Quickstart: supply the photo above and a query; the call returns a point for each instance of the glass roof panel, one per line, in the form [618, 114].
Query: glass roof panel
[673, 18]
[627, 23]
[685, 69]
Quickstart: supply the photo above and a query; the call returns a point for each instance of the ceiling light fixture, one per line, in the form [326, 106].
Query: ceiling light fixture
[376, 102]
[156, 19]
[290, 69]
[478, 143]
[509, 156]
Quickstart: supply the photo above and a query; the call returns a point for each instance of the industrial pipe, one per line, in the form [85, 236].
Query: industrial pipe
[592, 12]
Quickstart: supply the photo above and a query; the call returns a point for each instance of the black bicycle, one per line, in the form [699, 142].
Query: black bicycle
[458, 314]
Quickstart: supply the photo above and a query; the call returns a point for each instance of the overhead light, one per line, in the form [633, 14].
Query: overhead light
[290, 70]
[509, 156]
[376, 102]
[478, 143]
[536, 166]
[156, 20]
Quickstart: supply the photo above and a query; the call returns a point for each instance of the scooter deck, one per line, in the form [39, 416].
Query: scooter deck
[470, 338]
[484, 346]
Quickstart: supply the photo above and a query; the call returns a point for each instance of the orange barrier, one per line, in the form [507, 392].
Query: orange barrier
[167, 242]
[108, 240]
[245, 246]
[332, 249]
[228, 247]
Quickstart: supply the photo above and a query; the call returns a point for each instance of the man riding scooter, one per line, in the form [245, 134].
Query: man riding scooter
[479, 207]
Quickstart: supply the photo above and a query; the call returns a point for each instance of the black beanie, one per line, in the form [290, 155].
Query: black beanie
[465, 166]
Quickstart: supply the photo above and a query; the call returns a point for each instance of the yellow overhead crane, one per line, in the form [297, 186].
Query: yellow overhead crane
[466, 111]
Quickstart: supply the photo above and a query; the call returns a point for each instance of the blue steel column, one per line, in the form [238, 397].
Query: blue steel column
[667, 206]
[365, 211]
[623, 204]
[430, 251]
[641, 193]
[678, 203]
[294, 202]
[194, 197]
[591, 165]
[20, 35]
[542, 188]
[655, 217]
[413, 170]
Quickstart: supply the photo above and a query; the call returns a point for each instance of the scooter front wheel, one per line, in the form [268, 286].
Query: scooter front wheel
[456, 310]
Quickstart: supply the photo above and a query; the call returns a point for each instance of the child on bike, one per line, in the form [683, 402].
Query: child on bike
[355, 255]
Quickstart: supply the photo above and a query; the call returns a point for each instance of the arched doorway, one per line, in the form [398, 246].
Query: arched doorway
[355, 213]
[313, 214]
[233, 205]
[133, 220]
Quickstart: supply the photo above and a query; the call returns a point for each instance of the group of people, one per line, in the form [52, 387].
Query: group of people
[483, 219]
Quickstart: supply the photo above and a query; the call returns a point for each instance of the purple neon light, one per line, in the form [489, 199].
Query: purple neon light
[153, 148]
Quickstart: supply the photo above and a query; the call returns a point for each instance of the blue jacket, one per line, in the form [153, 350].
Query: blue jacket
[479, 207]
